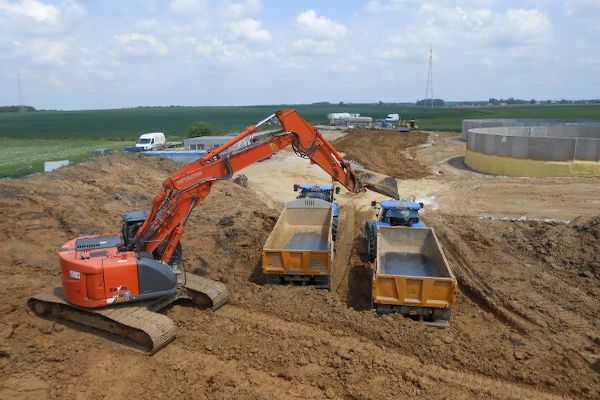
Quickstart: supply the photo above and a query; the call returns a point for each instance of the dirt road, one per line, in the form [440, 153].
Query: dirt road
[526, 323]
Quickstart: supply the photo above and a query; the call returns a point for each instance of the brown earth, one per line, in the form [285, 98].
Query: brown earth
[384, 151]
[525, 324]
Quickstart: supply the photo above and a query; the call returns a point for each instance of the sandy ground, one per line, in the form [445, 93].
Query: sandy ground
[525, 325]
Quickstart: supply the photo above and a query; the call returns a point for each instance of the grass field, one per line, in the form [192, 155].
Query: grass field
[20, 157]
[49, 135]
[129, 123]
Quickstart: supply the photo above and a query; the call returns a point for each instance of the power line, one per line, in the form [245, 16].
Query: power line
[429, 87]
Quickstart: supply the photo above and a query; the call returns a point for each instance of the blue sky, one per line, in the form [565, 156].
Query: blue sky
[106, 54]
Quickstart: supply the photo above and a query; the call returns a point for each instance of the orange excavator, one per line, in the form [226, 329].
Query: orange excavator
[117, 282]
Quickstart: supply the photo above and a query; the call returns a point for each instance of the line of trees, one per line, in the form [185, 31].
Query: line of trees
[16, 108]
[512, 100]
[427, 102]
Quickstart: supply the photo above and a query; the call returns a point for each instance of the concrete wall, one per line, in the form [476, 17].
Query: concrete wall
[563, 150]
[468, 124]
[549, 143]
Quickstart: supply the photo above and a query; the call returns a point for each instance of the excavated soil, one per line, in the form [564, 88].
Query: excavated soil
[386, 152]
[525, 324]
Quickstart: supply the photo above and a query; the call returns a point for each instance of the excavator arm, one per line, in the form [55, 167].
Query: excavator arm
[186, 188]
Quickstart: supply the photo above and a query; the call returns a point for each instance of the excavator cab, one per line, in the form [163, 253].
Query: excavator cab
[132, 221]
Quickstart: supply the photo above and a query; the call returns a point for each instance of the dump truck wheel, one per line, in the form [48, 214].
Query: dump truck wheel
[371, 241]
[334, 227]
[441, 314]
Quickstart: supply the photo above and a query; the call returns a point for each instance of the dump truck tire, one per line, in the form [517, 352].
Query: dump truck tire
[441, 315]
[334, 227]
[371, 241]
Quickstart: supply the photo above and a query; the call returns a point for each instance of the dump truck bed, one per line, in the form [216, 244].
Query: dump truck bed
[300, 247]
[411, 275]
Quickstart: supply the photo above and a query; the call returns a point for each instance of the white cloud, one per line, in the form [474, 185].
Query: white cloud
[320, 26]
[33, 16]
[215, 49]
[518, 27]
[313, 46]
[187, 7]
[31, 9]
[375, 6]
[231, 9]
[142, 44]
[147, 23]
[48, 51]
[476, 27]
[587, 11]
[391, 53]
[251, 29]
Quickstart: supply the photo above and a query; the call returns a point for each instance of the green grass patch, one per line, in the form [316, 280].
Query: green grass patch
[19, 157]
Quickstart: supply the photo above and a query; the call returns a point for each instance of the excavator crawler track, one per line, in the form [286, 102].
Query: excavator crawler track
[138, 324]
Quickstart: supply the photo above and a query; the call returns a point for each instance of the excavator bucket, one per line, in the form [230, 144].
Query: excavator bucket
[379, 183]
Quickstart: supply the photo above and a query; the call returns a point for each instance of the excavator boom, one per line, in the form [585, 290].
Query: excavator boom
[182, 191]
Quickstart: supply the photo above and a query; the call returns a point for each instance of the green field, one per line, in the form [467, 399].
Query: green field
[51, 135]
[20, 157]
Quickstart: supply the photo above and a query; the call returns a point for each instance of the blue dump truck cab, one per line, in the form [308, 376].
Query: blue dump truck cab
[325, 192]
[391, 213]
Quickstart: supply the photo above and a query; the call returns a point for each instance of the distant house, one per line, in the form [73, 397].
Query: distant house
[205, 142]
[349, 120]
[212, 142]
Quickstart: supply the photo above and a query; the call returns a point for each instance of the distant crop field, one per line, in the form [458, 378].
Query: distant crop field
[20, 157]
[33, 137]
[174, 121]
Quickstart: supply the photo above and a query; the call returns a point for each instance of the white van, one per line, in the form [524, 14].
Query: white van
[151, 141]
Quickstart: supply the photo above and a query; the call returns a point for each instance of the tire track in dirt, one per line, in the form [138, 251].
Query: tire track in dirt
[475, 288]
[343, 246]
[366, 352]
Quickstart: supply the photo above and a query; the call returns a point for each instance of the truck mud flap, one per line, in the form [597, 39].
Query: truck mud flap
[318, 282]
[437, 318]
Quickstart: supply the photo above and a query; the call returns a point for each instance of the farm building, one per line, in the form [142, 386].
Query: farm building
[349, 120]
[205, 142]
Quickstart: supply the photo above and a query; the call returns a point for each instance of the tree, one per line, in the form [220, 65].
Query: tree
[427, 102]
[201, 129]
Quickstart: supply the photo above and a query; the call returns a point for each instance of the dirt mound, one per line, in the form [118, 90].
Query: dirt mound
[384, 151]
[538, 279]
[279, 341]
[576, 246]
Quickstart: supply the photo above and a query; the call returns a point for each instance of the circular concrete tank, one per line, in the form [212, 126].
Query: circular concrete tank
[564, 150]
[468, 124]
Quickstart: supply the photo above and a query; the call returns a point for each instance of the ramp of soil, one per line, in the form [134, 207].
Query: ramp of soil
[384, 151]
[284, 342]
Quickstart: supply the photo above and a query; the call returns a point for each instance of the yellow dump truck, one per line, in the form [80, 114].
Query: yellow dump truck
[411, 274]
[300, 247]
